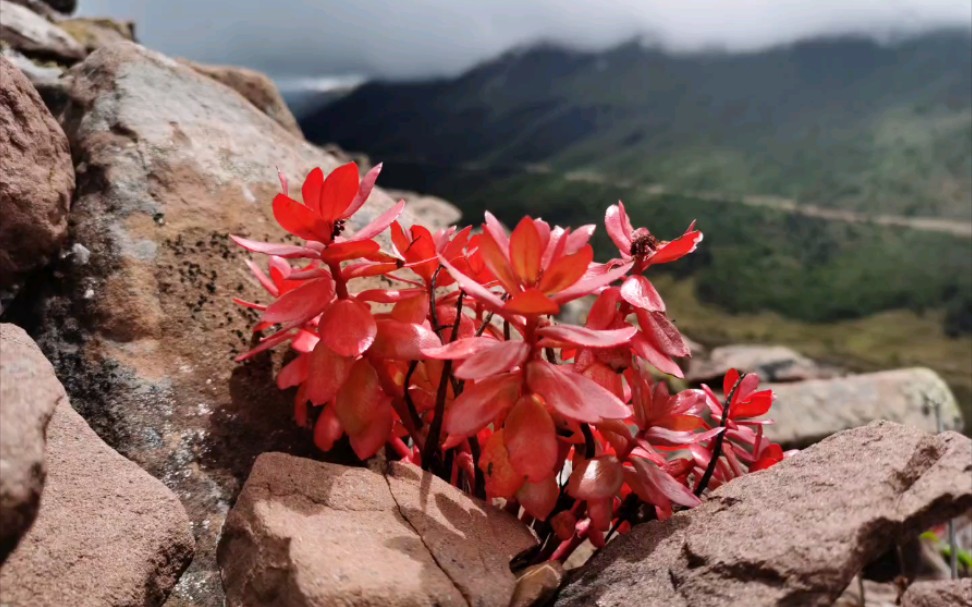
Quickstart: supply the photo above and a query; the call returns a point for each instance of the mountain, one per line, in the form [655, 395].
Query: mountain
[847, 123]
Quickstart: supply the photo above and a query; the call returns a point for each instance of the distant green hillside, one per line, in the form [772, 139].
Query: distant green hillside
[845, 123]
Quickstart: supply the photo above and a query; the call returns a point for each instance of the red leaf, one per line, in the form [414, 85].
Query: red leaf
[597, 478]
[347, 327]
[565, 271]
[572, 395]
[470, 286]
[311, 190]
[288, 251]
[662, 333]
[294, 372]
[339, 190]
[640, 293]
[502, 480]
[367, 442]
[459, 349]
[381, 222]
[531, 439]
[605, 309]
[591, 282]
[618, 227]
[499, 358]
[342, 251]
[495, 229]
[588, 338]
[643, 347]
[364, 190]
[759, 403]
[303, 303]
[300, 220]
[357, 402]
[661, 486]
[480, 404]
[326, 373]
[327, 430]
[539, 498]
[678, 248]
[530, 303]
[402, 340]
[526, 249]
[498, 263]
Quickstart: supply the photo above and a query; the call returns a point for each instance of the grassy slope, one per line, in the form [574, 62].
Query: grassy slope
[862, 296]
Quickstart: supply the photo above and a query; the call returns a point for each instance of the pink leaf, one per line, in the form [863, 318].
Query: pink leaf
[301, 304]
[480, 404]
[347, 327]
[596, 478]
[499, 358]
[588, 338]
[288, 251]
[380, 223]
[573, 395]
[640, 293]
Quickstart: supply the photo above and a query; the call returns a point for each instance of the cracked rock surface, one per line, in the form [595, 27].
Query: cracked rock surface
[141, 328]
[792, 535]
[311, 533]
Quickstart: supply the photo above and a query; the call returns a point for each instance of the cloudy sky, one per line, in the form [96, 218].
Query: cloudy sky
[294, 39]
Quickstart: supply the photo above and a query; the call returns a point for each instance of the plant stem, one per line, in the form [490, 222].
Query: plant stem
[717, 445]
[431, 459]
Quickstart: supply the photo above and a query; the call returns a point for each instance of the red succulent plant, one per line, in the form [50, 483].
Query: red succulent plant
[467, 372]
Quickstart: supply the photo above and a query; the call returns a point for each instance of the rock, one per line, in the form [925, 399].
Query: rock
[316, 534]
[107, 533]
[144, 334]
[93, 34]
[875, 594]
[792, 535]
[440, 211]
[945, 593]
[771, 363]
[35, 36]
[40, 7]
[257, 88]
[537, 584]
[38, 179]
[29, 394]
[806, 412]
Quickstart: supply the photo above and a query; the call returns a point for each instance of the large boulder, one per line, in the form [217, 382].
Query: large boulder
[38, 179]
[35, 36]
[792, 535]
[29, 394]
[771, 363]
[941, 593]
[107, 533]
[256, 87]
[142, 329]
[93, 34]
[806, 412]
[312, 534]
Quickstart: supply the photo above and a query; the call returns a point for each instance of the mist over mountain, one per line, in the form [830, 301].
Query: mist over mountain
[844, 122]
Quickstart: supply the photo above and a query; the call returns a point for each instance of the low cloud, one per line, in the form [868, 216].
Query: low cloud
[292, 39]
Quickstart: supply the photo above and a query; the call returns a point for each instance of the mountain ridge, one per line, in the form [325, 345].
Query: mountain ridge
[845, 122]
